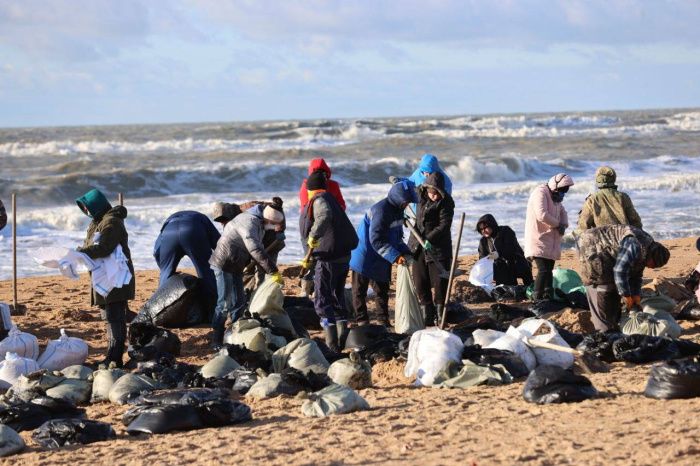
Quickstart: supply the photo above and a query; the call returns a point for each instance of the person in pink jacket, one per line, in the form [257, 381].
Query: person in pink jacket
[545, 224]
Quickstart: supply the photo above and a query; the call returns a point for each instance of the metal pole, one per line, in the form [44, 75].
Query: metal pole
[452, 271]
[14, 251]
[121, 198]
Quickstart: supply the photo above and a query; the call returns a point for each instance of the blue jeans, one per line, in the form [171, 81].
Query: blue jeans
[230, 297]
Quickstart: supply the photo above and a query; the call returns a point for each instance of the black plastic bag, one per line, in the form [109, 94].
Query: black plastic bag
[492, 356]
[674, 379]
[301, 310]
[552, 384]
[309, 382]
[504, 313]
[572, 339]
[57, 433]
[457, 313]
[465, 329]
[182, 396]
[383, 349]
[249, 359]
[687, 310]
[179, 303]
[641, 349]
[578, 300]
[30, 415]
[545, 306]
[509, 293]
[244, 379]
[148, 342]
[600, 345]
[364, 335]
[197, 380]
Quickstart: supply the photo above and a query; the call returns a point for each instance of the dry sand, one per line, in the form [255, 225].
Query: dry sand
[482, 425]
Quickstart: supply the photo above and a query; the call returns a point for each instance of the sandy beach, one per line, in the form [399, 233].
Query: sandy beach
[482, 425]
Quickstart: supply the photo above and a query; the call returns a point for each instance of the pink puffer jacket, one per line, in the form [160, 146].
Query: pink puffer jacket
[543, 217]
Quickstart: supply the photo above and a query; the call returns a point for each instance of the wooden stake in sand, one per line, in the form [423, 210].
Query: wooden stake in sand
[121, 198]
[14, 250]
[452, 272]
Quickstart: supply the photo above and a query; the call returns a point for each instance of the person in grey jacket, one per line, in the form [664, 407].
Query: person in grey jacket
[241, 240]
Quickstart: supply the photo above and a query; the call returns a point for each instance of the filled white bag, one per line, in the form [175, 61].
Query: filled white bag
[64, 352]
[21, 343]
[484, 338]
[13, 366]
[429, 351]
[6, 318]
[408, 317]
[551, 357]
[513, 341]
[481, 274]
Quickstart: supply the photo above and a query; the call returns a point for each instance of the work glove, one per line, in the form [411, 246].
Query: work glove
[493, 255]
[276, 278]
[561, 229]
[428, 246]
[313, 243]
[632, 302]
[306, 263]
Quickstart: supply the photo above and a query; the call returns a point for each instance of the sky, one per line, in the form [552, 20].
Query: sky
[80, 62]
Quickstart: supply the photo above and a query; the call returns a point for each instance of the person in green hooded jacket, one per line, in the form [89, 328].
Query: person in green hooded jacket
[607, 206]
[105, 232]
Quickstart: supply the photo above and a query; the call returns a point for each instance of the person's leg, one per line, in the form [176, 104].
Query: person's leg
[238, 297]
[340, 274]
[543, 281]
[195, 245]
[524, 270]
[222, 307]
[114, 315]
[324, 302]
[359, 297]
[605, 307]
[421, 280]
[504, 273]
[168, 252]
[382, 301]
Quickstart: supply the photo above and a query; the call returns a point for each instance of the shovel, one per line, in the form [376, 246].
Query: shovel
[443, 273]
[588, 362]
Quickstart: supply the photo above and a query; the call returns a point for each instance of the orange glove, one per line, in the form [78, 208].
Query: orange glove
[632, 301]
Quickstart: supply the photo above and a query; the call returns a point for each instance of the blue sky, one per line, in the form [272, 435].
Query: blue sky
[74, 62]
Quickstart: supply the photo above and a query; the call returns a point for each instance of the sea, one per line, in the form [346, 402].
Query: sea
[494, 161]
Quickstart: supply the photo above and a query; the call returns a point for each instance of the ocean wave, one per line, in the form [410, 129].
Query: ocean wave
[688, 121]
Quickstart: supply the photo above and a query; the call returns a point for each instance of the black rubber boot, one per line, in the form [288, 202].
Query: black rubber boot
[116, 340]
[217, 336]
[331, 334]
[428, 311]
[342, 329]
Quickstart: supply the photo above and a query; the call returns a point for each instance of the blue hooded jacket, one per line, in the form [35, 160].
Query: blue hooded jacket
[381, 234]
[429, 164]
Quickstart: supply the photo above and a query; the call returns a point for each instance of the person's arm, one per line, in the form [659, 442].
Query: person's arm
[630, 212]
[539, 203]
[444, 224]
[629, 253]
[323, 218]
[509, 247]
[256, 249]
[111, 235]
[585, 217]
[379, 230]
[483, 248]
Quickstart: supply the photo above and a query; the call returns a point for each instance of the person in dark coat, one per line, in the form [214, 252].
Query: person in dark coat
[500, 243]
[433, 222]
[380, 245]
[3, 216]
[187, 233]
[105, 232]
[327, 230]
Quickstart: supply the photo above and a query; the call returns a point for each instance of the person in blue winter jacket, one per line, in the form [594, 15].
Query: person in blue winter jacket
[192, 234]
[429, 164]
[380, 245]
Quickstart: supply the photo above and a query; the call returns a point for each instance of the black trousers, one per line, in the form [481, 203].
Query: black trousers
[544, 288]
[114, 315]
[359, 296]
[426, 278]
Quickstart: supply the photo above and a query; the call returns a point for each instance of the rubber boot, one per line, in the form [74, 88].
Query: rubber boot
[116, 336]
[217, 338]
[439, 311]
[331, 334]
[428, 313]
[342, 328]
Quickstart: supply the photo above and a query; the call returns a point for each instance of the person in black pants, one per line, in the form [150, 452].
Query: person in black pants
[192, 234]
[433, 222]
[500, 243]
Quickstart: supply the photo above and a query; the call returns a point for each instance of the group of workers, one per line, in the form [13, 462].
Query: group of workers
[612, 247]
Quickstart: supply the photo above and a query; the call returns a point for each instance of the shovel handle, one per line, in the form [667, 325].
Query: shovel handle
[306, 259]
[552, 346]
